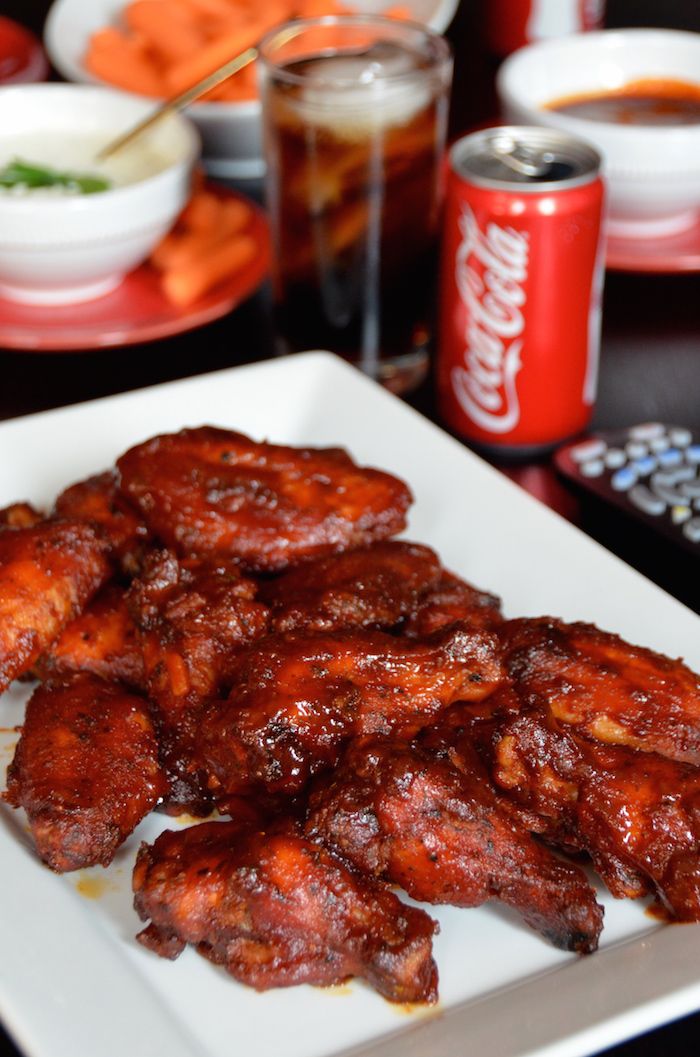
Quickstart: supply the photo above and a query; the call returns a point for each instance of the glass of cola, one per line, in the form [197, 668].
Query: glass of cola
[355, 115]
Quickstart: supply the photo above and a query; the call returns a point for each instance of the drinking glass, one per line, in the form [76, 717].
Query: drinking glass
[355, 114]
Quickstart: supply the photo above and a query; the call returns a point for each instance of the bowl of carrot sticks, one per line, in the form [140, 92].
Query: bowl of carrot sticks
[156, 48]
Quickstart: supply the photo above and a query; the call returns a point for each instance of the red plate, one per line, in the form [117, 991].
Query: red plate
[136, 311]
[669, 255]
[21, 55]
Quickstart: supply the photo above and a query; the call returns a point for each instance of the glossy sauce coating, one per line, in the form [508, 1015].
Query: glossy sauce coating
[98, 500]
[373, 587]
[85, 770]
[411, 816]
[605, 687]
[103, 640]
[47, 574]
[635, 813]
[296, 699]
[274, 909]
[193, 617]
[211, 491]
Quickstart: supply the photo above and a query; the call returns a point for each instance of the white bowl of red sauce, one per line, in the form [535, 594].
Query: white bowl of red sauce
[635, 95]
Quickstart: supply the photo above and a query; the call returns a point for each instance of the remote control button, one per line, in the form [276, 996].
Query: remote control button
[623, 479]
[691, 530]
[691, 489]
[679, 514]
[645, 466]
[672, 457]
[680, 437]
[592, 468]
[664, 491]
[647, 431]
[673, 477]
[646, 500]
[590, 449]
[636, 450]
[615, 458]
[659, 444]
[692, 454]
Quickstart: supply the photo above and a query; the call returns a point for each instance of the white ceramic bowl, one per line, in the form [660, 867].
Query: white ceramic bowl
[63, 249]
[231, 132]
[653, 172]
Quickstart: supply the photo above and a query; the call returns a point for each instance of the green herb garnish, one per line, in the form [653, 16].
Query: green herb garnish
[19, 173]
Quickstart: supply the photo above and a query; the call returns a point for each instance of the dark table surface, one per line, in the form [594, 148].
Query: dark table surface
[650, 369]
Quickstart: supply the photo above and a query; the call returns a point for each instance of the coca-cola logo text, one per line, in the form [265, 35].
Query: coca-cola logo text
[490, 272]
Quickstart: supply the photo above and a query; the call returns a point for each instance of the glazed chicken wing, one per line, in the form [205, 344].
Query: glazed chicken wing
[194, 615]
[276, 910]
[85, 770]
[637, 814]
[19, 515]
[297, 698]
[98, 500]
[600, 685]
[372, 587]
[103, 640]
[408, 815]
[47, 574]
[452, 601]
[211, 491]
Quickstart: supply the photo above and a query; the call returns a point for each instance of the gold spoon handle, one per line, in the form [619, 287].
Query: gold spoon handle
[179, 101]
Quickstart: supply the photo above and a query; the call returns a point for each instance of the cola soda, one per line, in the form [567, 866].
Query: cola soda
[354, 133]
[522, 274]
[510, 24]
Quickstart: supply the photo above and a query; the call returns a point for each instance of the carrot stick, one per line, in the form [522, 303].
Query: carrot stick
[125, 64]
[185, 245]
[214, 8]
[168, 36]
[185, 285]
[185, 73]
[201, 213]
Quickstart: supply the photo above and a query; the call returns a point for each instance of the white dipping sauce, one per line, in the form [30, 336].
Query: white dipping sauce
[76, 153]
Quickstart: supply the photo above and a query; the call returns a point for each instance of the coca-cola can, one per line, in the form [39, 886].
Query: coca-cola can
[521, 285]
[510, 24]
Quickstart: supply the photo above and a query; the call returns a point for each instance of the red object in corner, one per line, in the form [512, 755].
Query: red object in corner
[22, 57]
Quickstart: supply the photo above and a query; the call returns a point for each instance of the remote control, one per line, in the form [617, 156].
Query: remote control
[652, 471]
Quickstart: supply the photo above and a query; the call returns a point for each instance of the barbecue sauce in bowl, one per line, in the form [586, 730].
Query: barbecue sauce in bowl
[648, 101]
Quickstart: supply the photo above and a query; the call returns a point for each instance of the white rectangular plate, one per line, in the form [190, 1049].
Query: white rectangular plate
[74, 982]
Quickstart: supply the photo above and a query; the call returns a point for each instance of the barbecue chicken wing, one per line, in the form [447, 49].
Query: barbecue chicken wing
[98, 500]
[409, 815]
[210, 491]
[275, 909]
[47, 574]
[637, 814]
[103, 640]
[194, 616]
[371, 587]
[600, 685]
[85, 770]
[19, 515]
[454, 601]
[297, 698]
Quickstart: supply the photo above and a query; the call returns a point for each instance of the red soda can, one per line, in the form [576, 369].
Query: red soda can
[510, 24]
[521, 285]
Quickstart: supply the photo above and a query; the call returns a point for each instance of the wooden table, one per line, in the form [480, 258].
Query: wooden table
[650, 369]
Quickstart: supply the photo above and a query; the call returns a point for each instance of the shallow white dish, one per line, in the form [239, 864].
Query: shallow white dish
[653, 173]
[80, 984]
[231, 132]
